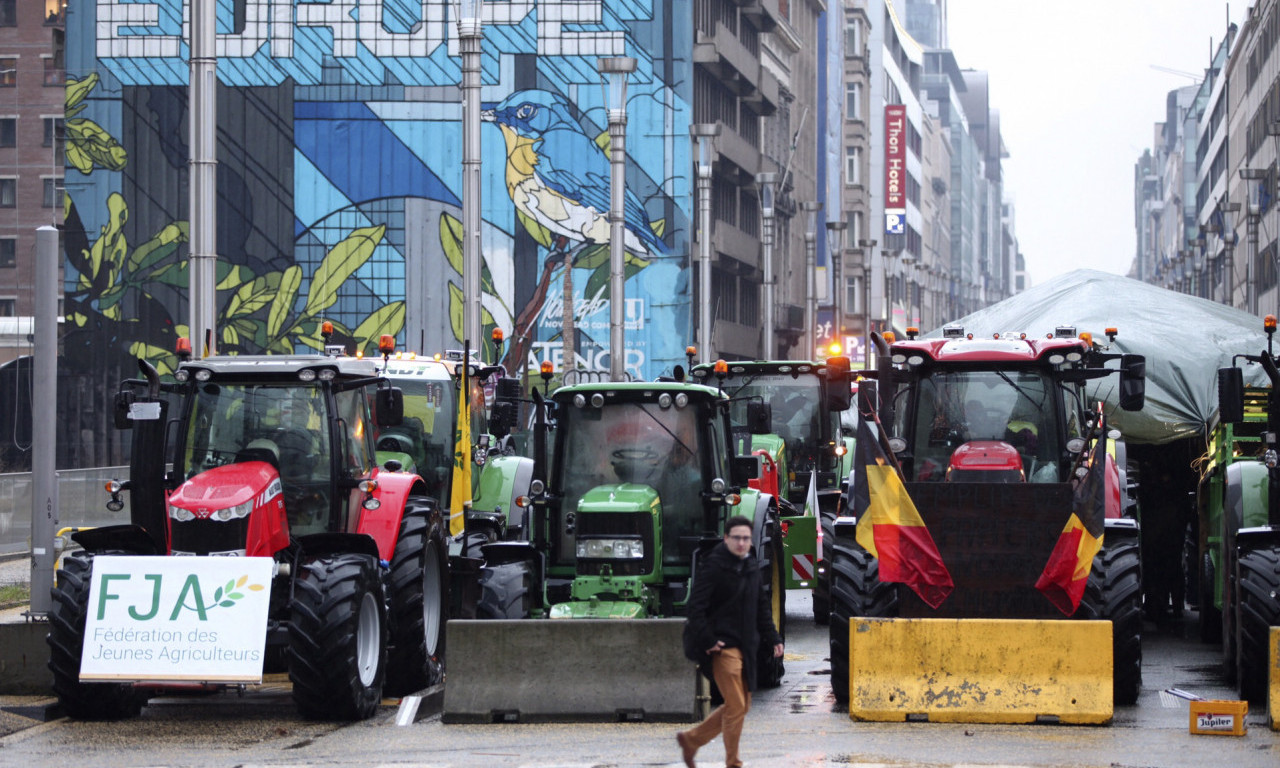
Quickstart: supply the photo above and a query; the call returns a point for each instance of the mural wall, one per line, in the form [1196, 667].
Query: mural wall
[340, 172]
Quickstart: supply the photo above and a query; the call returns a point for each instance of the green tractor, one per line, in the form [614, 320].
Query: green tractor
[1238, 508]
[636, 487]
[804, 448]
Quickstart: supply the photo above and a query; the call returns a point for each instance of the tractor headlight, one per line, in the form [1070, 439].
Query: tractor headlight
[611, 549]
[180, 514]
[231, 513]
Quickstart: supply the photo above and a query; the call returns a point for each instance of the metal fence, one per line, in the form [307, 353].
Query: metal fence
[81, 502]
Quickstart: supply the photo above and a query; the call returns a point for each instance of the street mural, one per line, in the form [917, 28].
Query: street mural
[340, 175]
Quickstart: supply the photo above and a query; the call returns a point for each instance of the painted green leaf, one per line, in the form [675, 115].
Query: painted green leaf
[339, 264]
[251, 297]
[658, 227]
[230, 336]
[159, 247]
[282, 302]
[457, 311]
[109, 297]
[226, 603]
[451, 240]
[603, 142]
[592, 256]
[230, 275]
[217, 594]
[88, 145]
[171, 274]
[77, 91]
[110, 247]
[386, 319]
[230, 585]
[536, 230]
[236, 595]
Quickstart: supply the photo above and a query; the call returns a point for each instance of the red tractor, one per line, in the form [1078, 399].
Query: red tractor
[274, 457]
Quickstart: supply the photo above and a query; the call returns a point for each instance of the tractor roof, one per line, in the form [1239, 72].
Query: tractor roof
[419, 368]
[762, 367]
[639, 390]
[279, 367]
[1006, 348]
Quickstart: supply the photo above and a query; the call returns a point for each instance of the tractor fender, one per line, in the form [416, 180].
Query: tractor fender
[1122, 528]
[383, 524]
[315, 545]
[1244, 497]
[1257, 537]
[116, 539]
[503, 479]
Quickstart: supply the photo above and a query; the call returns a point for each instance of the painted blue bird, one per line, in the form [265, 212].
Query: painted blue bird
[558, 177]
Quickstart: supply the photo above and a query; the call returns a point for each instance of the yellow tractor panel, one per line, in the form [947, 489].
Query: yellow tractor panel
[1273, 690]
[980, 670]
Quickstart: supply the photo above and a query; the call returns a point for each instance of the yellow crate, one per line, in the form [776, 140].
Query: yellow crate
[1220, 718]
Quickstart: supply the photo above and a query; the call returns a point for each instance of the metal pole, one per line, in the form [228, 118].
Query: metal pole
[44, 401]
[202, 131]
[1250, 290]
[470, 35]
[704, 137]
[868, 252]
[766, 182]
[835, 244]
[811, 278]
[617, 68]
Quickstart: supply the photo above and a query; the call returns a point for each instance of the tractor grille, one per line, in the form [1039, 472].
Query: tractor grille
[209, 537]
[599, 525]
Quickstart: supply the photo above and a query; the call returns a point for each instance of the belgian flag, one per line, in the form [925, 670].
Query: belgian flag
[1067, 572]
[889, 527]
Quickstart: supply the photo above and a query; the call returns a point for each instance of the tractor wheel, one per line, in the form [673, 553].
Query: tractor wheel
[1114, 593]
[338, 638]
[856, 591]
[507, 591]
[769, 669]
[1210, 614]
[1258, 610]
[822, 584]
[83, 701]
[419, 600]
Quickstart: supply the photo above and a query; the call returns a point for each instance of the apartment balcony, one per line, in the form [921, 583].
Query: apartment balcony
[764, 100]
[728, 59]
[743, 158]
[733, 244]
[758, 14]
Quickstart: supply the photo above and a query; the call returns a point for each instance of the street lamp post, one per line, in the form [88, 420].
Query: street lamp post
[868, 250]
[835, 244]
[470, 34]
[810, 275]
[766, 182]
[203, 193]
[1229, 240]
[616, 69]
[704, 137]
[1252, 209]
[1197, 251]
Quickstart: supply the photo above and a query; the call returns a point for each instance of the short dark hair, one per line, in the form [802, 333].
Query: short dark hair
[736, 521]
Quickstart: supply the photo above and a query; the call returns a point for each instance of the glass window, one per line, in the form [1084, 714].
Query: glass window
[8, 252]
[52, 192]
[853, 296]
[53, 131]
[8, 192]
[8, 72]
[8, 131]
[8, 13]
[853, 38]
[852, 163]
[853, 101]
[8, 307]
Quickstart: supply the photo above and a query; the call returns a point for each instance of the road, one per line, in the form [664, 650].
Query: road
[795, 725]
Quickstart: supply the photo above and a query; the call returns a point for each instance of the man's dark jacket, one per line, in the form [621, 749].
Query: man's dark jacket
[728, 605]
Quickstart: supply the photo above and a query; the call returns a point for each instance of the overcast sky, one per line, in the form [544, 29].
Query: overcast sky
[1079, 94]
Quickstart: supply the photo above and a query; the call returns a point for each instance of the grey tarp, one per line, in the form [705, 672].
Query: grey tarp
[1184, 338]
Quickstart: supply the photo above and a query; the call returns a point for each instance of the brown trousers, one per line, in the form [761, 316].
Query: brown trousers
[726, 719]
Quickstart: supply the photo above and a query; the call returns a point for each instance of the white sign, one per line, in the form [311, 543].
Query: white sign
[176, 619]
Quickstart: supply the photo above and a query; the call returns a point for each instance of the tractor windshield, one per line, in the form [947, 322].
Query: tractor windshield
[952, 408]
[794, 401]
[426, 434]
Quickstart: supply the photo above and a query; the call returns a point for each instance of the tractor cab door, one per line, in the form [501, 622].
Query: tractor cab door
[356, 455]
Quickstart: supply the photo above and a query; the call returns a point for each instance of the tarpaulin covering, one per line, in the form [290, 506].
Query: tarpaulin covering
[1184, 338]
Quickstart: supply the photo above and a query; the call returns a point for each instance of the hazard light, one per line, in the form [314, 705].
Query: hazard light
[1269, 324]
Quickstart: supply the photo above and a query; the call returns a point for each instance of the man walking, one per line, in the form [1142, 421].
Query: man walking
[728, 615]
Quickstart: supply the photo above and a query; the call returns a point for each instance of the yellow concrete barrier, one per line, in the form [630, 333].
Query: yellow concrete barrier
[980, 670]
[1273, 690]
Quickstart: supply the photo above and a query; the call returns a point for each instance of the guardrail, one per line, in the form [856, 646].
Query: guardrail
[81, 502]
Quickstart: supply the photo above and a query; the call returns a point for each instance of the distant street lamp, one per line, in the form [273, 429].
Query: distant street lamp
[810, 276]
[470, 35]
[704, 139]
[1229, 240]
[766, 182]
[835, 244]
[616, 69]
[868, 250]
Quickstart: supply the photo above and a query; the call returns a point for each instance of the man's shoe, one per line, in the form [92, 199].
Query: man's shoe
[687, 750]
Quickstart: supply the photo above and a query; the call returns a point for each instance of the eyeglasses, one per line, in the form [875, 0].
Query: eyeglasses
[738, 538]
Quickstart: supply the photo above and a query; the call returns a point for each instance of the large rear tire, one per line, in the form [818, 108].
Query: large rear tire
[83, 701]
[1114, 593]
[769, 668]
[822, 584]
[338, 638]
[1258, 607]
[856, 591]
[419, 600]
[507, 591]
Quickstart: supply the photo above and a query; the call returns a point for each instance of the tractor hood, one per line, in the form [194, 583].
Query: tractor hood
[1184, 338]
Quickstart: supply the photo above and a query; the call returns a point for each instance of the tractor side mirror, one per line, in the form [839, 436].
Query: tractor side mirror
[388, 406]
[502, 419]
[123, 401]
[759, 417]
[838, 394]
[744, 468]
[1230, 395]
[1133, 381]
